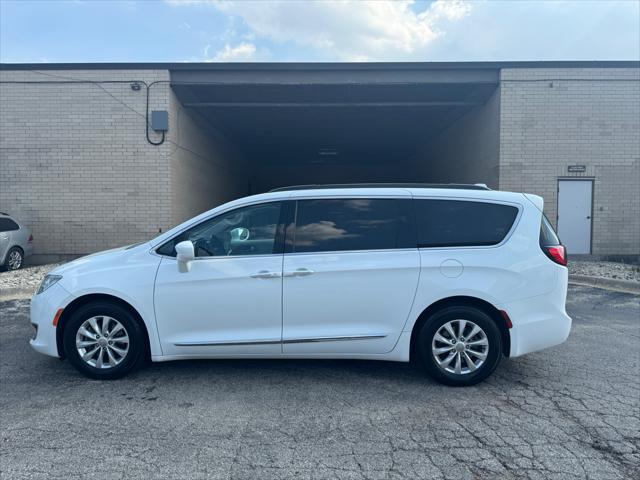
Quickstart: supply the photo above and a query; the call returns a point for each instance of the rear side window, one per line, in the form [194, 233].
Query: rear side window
[331, 225]
[458, 223]
[548, 237]
[8, 225]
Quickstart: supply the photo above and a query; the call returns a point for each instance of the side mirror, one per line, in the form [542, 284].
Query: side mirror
[186, 254]
[240, 234]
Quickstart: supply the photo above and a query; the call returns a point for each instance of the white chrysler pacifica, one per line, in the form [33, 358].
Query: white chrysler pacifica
[453, 277]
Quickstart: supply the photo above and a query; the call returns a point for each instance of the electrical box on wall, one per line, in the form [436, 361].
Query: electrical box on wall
[160, 120]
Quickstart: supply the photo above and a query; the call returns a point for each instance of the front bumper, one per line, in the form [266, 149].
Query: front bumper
[43, 311]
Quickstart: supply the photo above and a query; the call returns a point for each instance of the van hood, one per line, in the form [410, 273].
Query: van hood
[95, 259]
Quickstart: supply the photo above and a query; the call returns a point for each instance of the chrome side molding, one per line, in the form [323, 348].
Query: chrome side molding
[284, 342]
[332, 339]
[227, 344]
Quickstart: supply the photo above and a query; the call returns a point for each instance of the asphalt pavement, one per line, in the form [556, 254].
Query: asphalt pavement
[570, 412]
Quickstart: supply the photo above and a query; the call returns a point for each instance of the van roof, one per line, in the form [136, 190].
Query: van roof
[454, 186]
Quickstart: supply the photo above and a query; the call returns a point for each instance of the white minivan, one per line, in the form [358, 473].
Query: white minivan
[451, 276]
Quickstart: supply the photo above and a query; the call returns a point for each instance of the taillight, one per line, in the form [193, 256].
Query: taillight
[557, 253]
[31, 238]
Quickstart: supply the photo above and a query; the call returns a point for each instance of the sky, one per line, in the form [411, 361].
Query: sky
[33, 31]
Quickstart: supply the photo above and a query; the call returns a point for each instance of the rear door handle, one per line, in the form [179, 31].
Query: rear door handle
[265, 274]
[300, 272]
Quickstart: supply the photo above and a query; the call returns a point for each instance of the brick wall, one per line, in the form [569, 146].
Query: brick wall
[468, 150]
[76, 167]
[553, 118]
[206, 169]
[75, 164]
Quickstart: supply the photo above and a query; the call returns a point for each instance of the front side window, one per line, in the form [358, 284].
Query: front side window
[8, 225]
[245, 231]
[330, 225]
[460, 223]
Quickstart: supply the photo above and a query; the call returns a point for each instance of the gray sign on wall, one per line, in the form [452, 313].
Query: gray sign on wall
[577, 168]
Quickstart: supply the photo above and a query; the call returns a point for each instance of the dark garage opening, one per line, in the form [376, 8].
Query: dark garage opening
[345, 123]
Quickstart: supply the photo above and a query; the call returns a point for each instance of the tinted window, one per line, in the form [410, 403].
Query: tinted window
[245, 231]
[330, 225]
[548, 237]
[8, 225]
[455, 223]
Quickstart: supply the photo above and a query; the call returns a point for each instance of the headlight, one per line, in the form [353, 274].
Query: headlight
[48, 281]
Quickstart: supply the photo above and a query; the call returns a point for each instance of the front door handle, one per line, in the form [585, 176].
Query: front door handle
[300, 272]
[265, 274]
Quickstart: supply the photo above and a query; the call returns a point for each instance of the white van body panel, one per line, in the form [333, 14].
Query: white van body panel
[353, 305]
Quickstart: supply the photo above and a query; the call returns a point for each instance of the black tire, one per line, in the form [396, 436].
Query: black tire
[135, 354]
[439, 319]
[19, 256]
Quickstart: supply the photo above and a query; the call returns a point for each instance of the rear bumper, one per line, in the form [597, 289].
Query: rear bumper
[539, 322]
[539, 330]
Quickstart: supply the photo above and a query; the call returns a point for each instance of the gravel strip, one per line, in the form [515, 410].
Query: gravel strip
[616, 271]
[27, 278]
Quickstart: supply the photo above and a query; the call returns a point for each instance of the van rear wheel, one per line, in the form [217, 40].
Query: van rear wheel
[460, 346]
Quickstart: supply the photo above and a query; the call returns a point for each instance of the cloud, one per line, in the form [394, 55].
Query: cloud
[347, 29]
[242, 52]
[549, 30]
[443, 30]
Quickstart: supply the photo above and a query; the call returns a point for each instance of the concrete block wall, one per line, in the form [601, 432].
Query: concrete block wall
[206, 169]
[266, 177]
[467, 151]
[553, 118]
[75, 165]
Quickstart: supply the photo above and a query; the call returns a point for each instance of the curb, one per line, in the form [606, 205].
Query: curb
[16, 293]
[627, 286]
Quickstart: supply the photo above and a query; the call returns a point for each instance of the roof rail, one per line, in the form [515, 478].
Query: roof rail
[5, 214]
[457, 186]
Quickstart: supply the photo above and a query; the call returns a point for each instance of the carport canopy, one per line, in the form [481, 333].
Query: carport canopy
[334, 123]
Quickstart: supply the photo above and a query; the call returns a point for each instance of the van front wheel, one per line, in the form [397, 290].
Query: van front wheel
[460, 346]
[103, 341]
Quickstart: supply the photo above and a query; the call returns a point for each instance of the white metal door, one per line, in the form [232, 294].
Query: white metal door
[222, 306]
[230, 301]
[347, 302]
[350, 279]
[574, 215]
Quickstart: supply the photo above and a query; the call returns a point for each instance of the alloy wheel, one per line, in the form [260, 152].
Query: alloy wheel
[102, 342]
[460, 347]
[14, 262]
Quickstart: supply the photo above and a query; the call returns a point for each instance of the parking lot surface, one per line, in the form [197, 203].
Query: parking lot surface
[569, 412]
